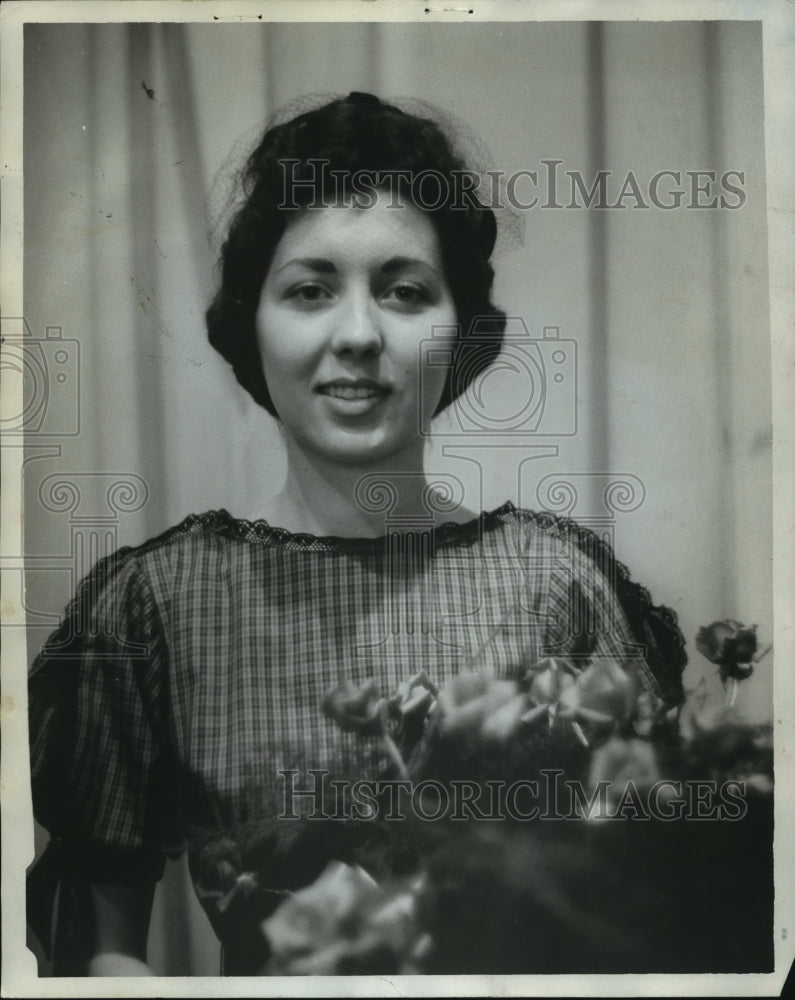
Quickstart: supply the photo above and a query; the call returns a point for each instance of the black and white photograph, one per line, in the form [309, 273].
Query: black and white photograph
[397, 459]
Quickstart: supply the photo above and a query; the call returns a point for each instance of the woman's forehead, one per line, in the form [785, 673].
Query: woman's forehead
[388, 228]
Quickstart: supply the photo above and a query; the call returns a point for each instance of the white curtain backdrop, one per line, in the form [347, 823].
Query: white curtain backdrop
[125, 129]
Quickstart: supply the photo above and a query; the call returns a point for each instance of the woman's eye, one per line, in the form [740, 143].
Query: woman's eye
[308, 293]
[408, 295]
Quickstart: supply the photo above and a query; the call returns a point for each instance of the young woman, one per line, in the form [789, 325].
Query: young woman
[188, 672]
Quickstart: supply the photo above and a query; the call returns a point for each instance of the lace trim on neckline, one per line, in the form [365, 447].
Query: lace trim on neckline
[448, 533]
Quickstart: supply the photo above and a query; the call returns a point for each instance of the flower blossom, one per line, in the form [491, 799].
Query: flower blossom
[717, 734]
[414, 699]
[730, 645]
[602, 693]
[346, 922]
[621, 763]
[481, 707]
[548, 678]
[356, 707]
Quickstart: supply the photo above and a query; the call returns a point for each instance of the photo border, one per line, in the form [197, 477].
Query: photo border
[19, 976]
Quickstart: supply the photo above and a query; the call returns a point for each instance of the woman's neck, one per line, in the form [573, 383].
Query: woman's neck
[324, 498]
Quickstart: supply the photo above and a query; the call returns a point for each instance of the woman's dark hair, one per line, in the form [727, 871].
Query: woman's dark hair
[305, 162]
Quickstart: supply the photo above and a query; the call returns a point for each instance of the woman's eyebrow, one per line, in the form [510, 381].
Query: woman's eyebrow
[320, 264]
[398, 263]
[325, 266]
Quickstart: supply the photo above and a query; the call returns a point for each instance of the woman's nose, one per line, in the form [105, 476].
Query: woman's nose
[357, 326]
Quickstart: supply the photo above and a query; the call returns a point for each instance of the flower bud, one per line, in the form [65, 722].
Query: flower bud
[729, 644]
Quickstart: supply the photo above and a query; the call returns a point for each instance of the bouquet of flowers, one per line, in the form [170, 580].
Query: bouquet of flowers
[568, 821]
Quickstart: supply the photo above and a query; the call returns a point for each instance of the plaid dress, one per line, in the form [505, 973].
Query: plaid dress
[189, 671]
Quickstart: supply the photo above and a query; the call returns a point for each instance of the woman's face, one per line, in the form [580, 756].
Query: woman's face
[350, 294]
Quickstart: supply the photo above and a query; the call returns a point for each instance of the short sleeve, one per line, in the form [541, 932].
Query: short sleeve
[100, 761]
[598, 611]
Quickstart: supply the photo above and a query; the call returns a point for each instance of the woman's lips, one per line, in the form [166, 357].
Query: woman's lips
[353, 399]
[348, 392]
[353, 390]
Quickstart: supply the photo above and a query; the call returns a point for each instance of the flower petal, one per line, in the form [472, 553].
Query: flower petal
[500, 724]
[313, 916]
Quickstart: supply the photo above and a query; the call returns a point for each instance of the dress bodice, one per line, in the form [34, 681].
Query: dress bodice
[188, 672]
